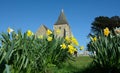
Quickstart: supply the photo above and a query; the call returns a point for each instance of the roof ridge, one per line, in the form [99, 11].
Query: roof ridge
[44, 26]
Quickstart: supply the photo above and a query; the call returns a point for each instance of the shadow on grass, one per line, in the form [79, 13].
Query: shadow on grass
[82, 65]
[96, 69]
[70, 68]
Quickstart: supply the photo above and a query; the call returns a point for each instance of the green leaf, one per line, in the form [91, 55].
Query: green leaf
[7, 57]
[3, 56]
[7, 68]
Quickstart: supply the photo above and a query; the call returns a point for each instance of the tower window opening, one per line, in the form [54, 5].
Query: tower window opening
[59, 27]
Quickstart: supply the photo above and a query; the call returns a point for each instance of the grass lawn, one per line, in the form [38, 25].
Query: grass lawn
[81, 61]
[76, 66]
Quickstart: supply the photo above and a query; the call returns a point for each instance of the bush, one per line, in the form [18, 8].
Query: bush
[26, 53]
[105, 50]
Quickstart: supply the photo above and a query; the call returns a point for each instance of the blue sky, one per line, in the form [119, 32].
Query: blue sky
[30, 14]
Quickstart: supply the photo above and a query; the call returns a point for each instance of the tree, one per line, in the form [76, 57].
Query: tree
[103, 21]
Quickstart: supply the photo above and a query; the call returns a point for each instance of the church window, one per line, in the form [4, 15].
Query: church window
[59, 27]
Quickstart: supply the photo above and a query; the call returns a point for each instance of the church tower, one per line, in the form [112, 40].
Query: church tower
[63, 26]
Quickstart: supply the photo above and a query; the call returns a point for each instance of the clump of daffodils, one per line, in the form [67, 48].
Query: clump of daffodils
[49, 37]
[71, 40]
[70, 44]
[106, 32]
[71, 49]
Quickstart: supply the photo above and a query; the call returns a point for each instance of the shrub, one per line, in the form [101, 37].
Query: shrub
[105, 50]
[26, 53]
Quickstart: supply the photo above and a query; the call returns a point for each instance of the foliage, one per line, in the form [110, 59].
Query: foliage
[105, 51]
[26, 53]
[103, 21]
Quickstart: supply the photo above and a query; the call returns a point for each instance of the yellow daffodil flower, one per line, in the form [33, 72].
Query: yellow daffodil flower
[74, 41]
[49, 38]
[71, 49]
[106, 31]
[10, 30]
[29, 33]
[93, 39]
[81, 47]
[67, 39]
[49, 32]
[63, 46]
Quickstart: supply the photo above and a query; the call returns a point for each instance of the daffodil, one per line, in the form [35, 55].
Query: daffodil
[40, 37]
[49, 32]
[49, 38]
[117, 31]
[74, 41]
[81, 47]
[106, 31]
[93, 38]
[67, 39]
[63, 46]
[71, 49]
[29, 33]
[10, 30]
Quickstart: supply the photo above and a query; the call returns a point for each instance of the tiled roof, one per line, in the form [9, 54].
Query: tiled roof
[61, 19]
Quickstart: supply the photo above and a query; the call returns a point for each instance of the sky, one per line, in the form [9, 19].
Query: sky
[30, 14]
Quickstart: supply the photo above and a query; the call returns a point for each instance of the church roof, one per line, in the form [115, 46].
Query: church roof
[44, 26]
[42, 30]
[61, 19]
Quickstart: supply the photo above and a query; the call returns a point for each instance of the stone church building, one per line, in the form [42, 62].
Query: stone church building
[61, 25]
